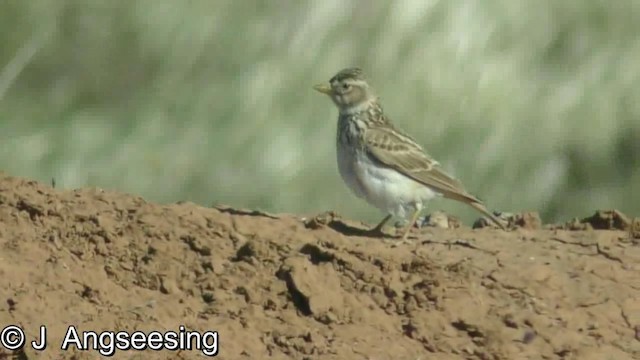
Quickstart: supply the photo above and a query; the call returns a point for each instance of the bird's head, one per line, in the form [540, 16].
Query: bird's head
[348, 89]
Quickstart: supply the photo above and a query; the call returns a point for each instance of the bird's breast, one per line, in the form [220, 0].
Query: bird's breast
[347, 165]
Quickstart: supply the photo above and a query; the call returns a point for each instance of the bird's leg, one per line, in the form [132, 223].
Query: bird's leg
[412, 222]
[377, 230]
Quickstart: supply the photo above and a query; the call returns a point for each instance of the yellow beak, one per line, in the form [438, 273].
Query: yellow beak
[323, 88]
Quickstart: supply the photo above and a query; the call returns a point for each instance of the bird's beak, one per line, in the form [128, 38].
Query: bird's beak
[323, 88]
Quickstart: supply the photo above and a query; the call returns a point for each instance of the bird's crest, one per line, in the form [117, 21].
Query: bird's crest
[349, 73]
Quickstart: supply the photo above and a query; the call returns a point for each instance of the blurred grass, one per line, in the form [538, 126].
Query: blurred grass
[532, 106]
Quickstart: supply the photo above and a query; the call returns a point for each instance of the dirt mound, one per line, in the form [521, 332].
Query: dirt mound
[272, 285]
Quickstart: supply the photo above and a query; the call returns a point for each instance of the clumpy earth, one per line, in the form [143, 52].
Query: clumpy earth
[313, 287]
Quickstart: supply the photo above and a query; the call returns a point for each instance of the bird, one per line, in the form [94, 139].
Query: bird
[381, 163]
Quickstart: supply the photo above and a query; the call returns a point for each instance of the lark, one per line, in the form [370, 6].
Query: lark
[380, 163]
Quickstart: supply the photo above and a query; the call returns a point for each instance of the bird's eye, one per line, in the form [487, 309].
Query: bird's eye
[346, 86]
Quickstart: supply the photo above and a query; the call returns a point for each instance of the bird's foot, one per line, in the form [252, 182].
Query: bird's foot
[396, 243]
[404, 239]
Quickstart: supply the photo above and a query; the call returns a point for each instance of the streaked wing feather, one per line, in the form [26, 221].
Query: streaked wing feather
[390, 147]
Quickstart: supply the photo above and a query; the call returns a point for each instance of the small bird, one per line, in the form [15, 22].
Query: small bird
[380, 163]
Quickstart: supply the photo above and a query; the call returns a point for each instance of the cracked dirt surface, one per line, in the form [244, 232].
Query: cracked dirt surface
[291, 288]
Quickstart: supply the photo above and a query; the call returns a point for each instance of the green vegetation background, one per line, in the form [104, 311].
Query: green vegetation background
[533, 105]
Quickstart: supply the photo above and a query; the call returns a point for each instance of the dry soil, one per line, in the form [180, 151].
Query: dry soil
[316, 287]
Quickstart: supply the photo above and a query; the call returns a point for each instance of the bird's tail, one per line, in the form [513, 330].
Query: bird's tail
[483, 209]
[475, 203]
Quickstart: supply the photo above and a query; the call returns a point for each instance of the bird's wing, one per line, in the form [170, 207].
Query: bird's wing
[392, 148]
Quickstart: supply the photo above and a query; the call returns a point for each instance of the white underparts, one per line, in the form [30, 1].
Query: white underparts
[382, 187]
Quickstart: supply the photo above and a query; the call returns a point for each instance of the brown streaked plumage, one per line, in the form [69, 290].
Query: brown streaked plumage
[382, 164]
